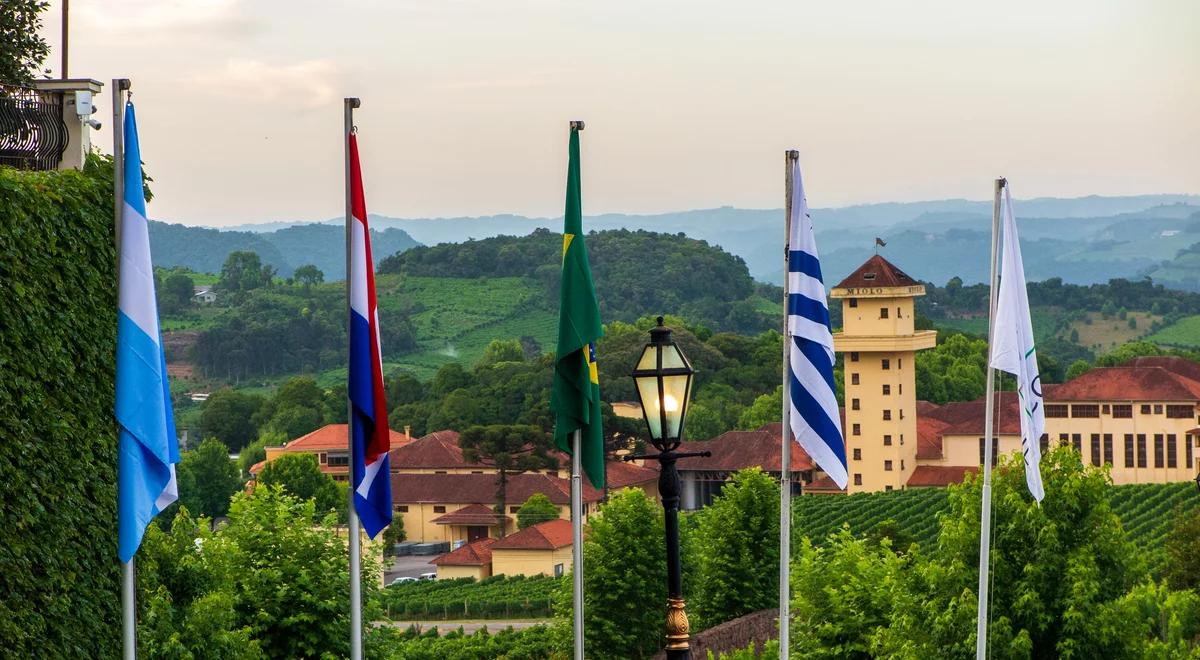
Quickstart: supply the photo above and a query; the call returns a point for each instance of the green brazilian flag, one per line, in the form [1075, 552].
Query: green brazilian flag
[575, 397]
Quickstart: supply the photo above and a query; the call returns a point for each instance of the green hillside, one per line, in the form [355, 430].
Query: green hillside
[1184, 333]
[1145, 511]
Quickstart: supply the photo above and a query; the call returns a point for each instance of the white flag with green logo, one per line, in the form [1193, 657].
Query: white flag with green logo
[1013, 348]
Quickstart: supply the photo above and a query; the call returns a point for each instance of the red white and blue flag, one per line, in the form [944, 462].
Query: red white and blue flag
[370, 438]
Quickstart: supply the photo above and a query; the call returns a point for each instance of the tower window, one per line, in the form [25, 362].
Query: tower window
[854, 404]
[887, 441]
[887, 364]
[887, 466]
[887, 389]
[856, 430]
[883, 312]
[854, 356]
[858, 480]
[854, 379]
[858, 454]
[887, 415]
[854, 302]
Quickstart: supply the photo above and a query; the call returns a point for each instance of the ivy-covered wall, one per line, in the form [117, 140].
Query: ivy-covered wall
[59, 574]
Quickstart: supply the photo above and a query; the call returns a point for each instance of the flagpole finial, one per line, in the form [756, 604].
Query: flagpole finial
[577, 124]
[353, 102]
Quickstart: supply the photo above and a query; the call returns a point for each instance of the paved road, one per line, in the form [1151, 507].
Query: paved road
[467, 626]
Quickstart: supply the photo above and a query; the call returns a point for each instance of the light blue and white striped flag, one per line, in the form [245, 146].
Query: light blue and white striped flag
[814, 416]
[147, 447]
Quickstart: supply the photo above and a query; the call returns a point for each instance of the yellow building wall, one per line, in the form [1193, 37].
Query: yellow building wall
[419, 525]
[530, 562]
[881, 453]
[964, 449]
[454, 572]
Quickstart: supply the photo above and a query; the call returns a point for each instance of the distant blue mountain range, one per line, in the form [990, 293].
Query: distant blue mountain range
[1082, 240]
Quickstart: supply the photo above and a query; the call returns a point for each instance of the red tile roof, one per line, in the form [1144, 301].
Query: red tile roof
[968, 416]
[1139, 383]
[737, 450]
[620, 474]
[939, 475]
[823, 485]
[876, 272]
[481, 488]
[476, 553]
[472, 514]
[332, 437]
[929, 437]
[1177, 365]
[549, 535]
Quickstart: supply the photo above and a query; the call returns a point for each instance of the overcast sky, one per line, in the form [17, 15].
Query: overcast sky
[688, 104]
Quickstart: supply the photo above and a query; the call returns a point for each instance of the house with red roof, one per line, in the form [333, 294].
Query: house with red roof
[330, 444]
[444, 497]
[473, 560]
[541, 549]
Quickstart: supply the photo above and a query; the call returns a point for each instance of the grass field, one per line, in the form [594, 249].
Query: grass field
[1184, 333]
[457, 317]
[1045, 322]
[1102, 335]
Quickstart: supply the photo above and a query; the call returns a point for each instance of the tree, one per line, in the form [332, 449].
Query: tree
[297, 408]
[300, 475]
[512, 449]
[257, 451]
[1055, 569]
[244, 271]
[764, 410]
[177, 291]
[737, 571]
[538, 508]
[502, 350]
[1183, 549]
[1077, 369]
[226, 416]
[207, 479]
[393, 534]
[308, 275]
[22, 48]
[625, 582]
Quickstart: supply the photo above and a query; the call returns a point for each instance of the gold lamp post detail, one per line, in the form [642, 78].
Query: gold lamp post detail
[663, 377]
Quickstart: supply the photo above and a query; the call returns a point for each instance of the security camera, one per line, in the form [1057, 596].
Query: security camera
[94, 124]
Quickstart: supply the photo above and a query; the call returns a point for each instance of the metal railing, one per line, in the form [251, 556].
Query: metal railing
[33, 135]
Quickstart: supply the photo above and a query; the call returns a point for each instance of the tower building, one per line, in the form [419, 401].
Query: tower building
[880, 342]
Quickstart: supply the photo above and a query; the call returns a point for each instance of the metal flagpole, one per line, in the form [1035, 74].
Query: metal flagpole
[785, 458]
[128, 594]
[355, 550]
[985, 522]
[577, 540]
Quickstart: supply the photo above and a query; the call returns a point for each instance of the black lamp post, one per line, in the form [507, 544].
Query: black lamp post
[664, 382]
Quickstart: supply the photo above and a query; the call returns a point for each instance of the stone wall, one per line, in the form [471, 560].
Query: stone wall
[757, 627]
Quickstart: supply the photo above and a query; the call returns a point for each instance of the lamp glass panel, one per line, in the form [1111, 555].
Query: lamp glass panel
[648, 390]
[675, 391]
[672, 358]
[649, 360]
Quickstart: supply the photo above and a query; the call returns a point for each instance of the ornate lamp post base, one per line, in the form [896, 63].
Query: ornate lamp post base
[677, 626]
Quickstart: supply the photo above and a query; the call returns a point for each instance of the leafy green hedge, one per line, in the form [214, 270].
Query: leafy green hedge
[497, 597]
[59, 574]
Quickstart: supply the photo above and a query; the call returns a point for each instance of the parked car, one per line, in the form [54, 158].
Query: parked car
[429, 576]
[403, 579]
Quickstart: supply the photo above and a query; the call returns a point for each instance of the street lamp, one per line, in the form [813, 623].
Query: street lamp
[664, 383]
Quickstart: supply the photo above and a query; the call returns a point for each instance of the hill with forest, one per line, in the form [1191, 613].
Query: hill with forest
[1082, 240]
[285, 249]
[446, 303]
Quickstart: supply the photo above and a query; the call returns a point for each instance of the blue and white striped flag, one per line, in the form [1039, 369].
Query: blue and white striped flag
[147, 446]
[814, 416]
